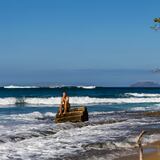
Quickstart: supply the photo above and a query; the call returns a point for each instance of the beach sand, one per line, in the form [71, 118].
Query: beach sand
[151, 152]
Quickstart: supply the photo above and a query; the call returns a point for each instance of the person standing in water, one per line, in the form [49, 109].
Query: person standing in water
[64, 106]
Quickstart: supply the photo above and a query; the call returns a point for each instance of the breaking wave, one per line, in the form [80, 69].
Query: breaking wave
[33, 116]
[14, 87]
[76, 100]
[52, 86]
[142, 95]
[148, 108]
[87, 87]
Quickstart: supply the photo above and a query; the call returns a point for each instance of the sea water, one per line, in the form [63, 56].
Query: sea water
[28, 131]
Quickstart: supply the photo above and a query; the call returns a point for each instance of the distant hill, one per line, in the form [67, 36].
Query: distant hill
[157, 70]
[145, 84]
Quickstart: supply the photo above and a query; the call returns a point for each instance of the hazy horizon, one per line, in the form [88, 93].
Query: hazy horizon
[98, 77]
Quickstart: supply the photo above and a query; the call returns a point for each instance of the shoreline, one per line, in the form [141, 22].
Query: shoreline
[150, 152]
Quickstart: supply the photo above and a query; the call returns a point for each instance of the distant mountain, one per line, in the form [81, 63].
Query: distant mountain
[145, 84]
[157, 70]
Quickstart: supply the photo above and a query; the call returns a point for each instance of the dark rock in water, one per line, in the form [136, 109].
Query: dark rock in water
[74, 115]
[145, 84]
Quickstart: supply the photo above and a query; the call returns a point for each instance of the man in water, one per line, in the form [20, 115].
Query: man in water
[64, 106]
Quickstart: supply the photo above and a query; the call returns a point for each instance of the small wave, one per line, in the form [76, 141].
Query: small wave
[106, 145]
[14, 87]
[58, 86]
[34, 116]
[155, 107]
[87, 87]
[45, 86]
[142, 95]
[66, 86]
[99, 113]
[139, 109]
[103, 113]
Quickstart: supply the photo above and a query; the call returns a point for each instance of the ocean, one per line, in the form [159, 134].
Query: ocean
[116, 118]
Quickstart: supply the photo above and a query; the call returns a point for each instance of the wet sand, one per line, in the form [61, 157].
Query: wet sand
[151, 152]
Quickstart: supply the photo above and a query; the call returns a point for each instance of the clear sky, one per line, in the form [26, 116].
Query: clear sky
[44, 36]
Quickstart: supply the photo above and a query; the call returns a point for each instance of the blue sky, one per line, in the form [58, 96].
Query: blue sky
[44, 36]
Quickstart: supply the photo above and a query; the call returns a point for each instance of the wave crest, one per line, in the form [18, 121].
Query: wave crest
[76, 100]
[142, 95]
[52, 87]
[14, 87]
[87, 87]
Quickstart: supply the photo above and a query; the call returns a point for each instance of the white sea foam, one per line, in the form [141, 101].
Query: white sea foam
[87, 87]
[76, 100]
[142, 95]
[64, 142]
[30, 116]
[84, 87]
[139, 109]
[100, 113]
[146, 108]
[8, 101]
[14, 86]
[51, 86]
[65, 139]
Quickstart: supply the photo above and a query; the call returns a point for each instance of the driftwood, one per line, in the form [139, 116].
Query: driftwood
[152, 114]
[139, 142]
[79, 114]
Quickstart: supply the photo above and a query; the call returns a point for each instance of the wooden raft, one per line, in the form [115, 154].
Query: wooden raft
[79, 114]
